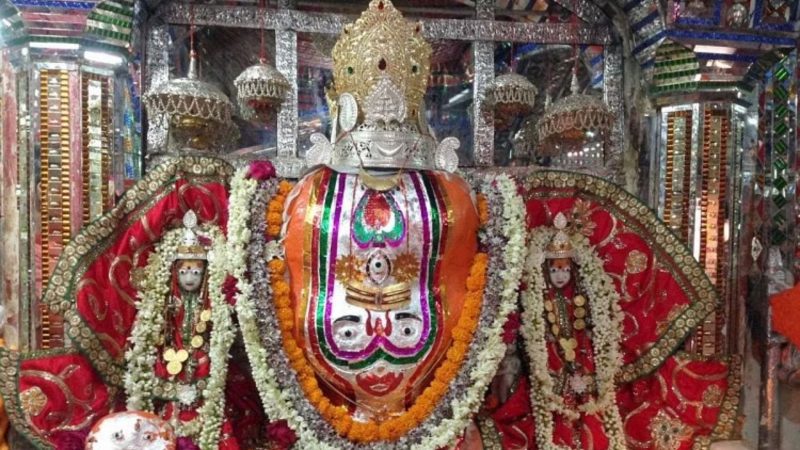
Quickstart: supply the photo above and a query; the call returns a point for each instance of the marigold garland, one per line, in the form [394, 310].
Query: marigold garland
[483, 208]
[394, 428]
[275, 209]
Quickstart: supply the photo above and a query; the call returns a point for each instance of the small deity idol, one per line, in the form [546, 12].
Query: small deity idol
[184, 355]
[183, 361]
[570, 360]
[568, 336]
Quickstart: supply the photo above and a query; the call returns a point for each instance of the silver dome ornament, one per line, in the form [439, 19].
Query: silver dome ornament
[512, 96]
[571, 122]
[260, 90]
[523, 143]
[198, 113]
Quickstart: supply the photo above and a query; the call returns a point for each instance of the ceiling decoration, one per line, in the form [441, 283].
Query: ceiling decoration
[676, 69]
[68, 24]
[13, 27]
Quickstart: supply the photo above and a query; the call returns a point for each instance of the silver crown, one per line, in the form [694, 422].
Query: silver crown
[190, 246]
[561, 244]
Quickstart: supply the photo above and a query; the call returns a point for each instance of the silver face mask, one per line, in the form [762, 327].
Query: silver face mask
[190, 275]
[560, 276]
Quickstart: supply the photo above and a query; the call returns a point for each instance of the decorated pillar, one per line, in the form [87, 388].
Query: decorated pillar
[697, 182]
[69, 146]
[774, 237]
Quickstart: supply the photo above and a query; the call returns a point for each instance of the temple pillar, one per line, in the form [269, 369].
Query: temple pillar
[69, 146]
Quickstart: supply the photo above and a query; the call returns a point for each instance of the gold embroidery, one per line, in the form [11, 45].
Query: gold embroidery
[113, 278]
[668, 432]
[636, 262]
[406, 267]
[712, 397]
[490, 436]
[33, 401]
[72, 402]
[350, 268]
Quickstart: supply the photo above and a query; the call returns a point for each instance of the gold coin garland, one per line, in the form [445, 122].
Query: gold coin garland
[175, 358]
[567, 343]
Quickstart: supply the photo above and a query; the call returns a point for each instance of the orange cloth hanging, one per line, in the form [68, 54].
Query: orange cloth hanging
[786, 313]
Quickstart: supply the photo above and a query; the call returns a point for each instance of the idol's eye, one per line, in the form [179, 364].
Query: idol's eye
[347, 329]
[196, 271]
[409, 328]
[182, 272]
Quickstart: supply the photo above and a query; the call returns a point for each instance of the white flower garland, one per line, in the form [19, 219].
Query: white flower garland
[149, 326]
[223, 332]
[606, 317]
[278, 404]
[493, 348]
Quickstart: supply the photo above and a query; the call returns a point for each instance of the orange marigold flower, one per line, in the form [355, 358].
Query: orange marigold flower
[286, 326]
[285, 314]
[277, 266]
[284, 302]
[460, 334]
[483, 209]
[281, 289]
[447, 371]
[274, 218]
[343, 423]
[275, 206]
[285, 186]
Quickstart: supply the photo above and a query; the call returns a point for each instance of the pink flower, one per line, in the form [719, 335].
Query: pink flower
[280, 434]
[69, 440]
[184, 443]
[261, 170]
[511, 327]
[230, 290]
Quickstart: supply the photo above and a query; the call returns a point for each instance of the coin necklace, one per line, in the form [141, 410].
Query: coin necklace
[198, 324]
[558, 310]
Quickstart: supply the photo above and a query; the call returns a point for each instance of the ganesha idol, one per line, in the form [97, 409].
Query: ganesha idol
[382, 257]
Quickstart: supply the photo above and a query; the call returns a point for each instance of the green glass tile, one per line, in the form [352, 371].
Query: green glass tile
[781, 110]
[780, 146]
[779, 200]
[778, 237]
[781, 129]
[779, 164]
[780, 93]
[781, 73]
[780, 183]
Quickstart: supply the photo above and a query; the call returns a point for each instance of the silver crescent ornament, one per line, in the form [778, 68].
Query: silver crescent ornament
[348, 111]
